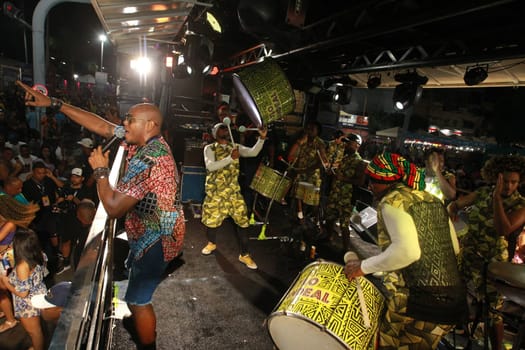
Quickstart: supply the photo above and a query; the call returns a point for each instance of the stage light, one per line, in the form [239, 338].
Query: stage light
[374, 80]
[10, 10]
[475, 75]
[182, 70]
[198, 52]
[406, 94]
[342, 95]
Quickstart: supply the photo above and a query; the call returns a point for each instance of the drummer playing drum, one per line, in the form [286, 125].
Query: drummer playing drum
[426, 296]
[223, 193]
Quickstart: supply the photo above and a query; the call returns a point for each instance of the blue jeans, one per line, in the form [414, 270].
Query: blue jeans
[145, 275]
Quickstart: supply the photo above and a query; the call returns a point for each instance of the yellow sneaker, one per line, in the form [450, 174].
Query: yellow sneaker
[248, 261]
[210, 247]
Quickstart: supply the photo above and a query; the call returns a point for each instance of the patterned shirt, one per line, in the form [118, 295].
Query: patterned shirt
[482, 238]
[307, 156]
[151, 177]
[34, 284]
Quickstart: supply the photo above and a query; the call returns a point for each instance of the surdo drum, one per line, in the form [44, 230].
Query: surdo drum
[308, 193]
[322, 310]
[270, 183]
[264, 92]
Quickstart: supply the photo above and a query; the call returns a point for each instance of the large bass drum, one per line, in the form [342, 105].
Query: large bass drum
[322, 310]
[264, 92]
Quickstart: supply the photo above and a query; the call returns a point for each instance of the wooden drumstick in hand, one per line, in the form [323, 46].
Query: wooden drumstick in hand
[351, 256]
[228, 121]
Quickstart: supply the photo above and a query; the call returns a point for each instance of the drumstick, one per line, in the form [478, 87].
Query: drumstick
[362, 302]
[228, 121]
[321, 158]
[350, 255]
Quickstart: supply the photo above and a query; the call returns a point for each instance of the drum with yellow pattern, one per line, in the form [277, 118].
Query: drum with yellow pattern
[270, 183]
[322, 310]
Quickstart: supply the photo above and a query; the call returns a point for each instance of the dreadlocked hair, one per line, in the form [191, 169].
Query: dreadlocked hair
[19, 214]
[502, 164]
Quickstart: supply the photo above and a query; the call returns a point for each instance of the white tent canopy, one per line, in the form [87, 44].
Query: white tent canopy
[391, 132]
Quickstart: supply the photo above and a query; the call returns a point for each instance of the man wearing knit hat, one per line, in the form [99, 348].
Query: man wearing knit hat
[426, 296]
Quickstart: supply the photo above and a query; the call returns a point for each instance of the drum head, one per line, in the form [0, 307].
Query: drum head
[291, 332]
[247, 102]
[264, 92]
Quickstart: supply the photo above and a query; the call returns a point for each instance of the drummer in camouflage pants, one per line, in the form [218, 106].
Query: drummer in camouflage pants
[223, 193]
[350, 172]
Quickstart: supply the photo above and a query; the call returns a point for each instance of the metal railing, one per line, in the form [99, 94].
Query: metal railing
[86, 321]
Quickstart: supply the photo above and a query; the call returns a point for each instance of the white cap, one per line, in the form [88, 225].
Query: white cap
[76, 171]
[86, 142]
[215, 128]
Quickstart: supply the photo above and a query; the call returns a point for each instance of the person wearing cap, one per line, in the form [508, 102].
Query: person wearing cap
[339, 205]
[223, 193]
[336, 149]
[70, 197]
[425, 293]
[87, 147]
[145, 195]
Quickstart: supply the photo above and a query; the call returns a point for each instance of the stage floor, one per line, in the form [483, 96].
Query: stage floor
[215, 302]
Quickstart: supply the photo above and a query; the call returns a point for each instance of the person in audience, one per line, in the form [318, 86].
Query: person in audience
[27, 280]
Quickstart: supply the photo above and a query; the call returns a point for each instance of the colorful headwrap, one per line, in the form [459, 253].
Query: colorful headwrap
[389, 167]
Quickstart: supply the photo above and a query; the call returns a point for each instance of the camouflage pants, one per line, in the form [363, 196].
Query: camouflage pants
[217, 207]
[339, 204]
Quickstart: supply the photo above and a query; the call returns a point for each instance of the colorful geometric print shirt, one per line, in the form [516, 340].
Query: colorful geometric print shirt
[152, 178]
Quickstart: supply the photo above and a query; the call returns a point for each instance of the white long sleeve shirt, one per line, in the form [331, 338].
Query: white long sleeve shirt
[214, 165]
[404, 247]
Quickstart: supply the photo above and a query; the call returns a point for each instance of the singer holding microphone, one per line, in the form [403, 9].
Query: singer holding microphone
[145, 194]
[425, 293]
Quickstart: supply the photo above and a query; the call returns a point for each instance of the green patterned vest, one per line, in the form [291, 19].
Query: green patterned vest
[436, 291]
[225, 178]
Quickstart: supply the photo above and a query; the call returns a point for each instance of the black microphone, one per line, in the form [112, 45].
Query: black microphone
[118, 134]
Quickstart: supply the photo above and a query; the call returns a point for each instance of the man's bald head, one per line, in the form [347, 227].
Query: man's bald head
[143, 121]
[149, 111]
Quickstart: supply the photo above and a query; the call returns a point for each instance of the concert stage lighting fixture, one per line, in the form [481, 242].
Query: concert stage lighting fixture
[342, 95]
[475, 75]
[374, 80]
[406, 94]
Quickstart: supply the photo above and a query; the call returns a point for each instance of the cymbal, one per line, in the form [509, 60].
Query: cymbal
[513, 274]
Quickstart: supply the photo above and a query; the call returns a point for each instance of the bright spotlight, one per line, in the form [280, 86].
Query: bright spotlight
[343, 94]
[141, 65]
[406, 94]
